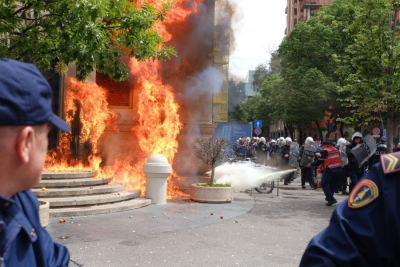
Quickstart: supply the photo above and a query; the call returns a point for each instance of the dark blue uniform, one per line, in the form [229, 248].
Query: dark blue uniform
[23, 241]
[365, 230]
[380, 150]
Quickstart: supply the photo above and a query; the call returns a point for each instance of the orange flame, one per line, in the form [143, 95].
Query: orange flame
[157, 118]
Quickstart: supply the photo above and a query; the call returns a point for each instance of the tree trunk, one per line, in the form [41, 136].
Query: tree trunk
[319, 129]
[212, 175]
[389, 130]
[301, 133]
[341, 129]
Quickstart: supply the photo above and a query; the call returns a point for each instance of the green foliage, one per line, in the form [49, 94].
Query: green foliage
[262, 72]
[236, 95]
[372, 63]
[96, 34]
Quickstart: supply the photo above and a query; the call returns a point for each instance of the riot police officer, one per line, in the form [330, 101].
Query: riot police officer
[380, 150]
[356, 171]
[365, 229]
[306, 155]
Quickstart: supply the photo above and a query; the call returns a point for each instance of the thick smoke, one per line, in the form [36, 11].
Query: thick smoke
[246, 175]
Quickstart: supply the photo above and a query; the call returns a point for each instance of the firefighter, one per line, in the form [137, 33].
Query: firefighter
[331, 166]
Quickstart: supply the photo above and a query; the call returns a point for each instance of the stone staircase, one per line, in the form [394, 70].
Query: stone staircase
[79, 193]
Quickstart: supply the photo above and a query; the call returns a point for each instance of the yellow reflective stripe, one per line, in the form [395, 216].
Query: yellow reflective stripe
[392, 162]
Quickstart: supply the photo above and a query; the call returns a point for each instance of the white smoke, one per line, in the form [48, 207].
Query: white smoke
[209, 81]
[246, 175]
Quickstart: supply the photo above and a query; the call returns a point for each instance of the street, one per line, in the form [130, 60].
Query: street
[258, 230]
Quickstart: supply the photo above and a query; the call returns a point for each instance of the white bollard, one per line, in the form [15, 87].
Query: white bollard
[157, 170]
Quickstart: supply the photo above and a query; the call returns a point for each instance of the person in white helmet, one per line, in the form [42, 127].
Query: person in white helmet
[307, 155]
[356, 171]
[272, 151]
[342, 183]
[261, 150]
[285, 153]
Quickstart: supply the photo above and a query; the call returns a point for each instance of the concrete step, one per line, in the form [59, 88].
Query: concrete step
[72, 182]
[91, 199]
[78, 191]
[68, 175]
[99, 209]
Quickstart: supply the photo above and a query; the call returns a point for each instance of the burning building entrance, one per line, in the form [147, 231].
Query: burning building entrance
[162, 108]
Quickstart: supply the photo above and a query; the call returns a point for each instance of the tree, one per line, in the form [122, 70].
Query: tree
[94, 34]
[236, 94]
[371, 65]
[211, 150]
[310, 56]
[262, 72]
[275, 63]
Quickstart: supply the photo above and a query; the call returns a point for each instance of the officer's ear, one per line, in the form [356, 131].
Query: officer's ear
[24, 143]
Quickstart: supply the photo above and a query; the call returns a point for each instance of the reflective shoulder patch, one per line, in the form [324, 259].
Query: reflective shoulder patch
[391, 163]
[363, 194]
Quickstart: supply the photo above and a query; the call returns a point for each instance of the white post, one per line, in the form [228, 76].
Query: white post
[157, 170]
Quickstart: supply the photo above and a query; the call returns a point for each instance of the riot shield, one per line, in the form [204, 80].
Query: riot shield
[343, 156]
[362, 152]
[308, 154]
[294, 154]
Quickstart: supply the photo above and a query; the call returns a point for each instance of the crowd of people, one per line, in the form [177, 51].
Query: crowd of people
[331, 164]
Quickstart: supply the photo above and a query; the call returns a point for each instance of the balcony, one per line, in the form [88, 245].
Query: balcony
[302, 18]
[314, 3]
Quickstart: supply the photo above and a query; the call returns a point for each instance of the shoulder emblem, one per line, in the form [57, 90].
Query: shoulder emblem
[390, 163]
[362, 194]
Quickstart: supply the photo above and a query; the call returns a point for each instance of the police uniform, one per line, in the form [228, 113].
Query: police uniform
[365, 230]
[23, 241]
[380, 150]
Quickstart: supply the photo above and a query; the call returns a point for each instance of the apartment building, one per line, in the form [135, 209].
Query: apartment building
[302, 10]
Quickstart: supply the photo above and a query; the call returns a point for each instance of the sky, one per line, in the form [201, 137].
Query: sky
[259, 29]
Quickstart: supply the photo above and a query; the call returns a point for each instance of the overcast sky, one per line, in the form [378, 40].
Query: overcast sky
[258, 31]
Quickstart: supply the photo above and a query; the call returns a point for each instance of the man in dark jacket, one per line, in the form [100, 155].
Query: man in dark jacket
[306, 155]
[356, 171]
[26, 117]
[284, 155]
[380, 150]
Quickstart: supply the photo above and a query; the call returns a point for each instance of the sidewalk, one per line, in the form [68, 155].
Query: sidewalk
[258, 230]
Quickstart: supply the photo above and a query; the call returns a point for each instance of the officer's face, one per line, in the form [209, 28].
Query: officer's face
[357, 140]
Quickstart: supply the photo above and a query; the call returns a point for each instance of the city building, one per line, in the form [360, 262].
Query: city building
[302, 10]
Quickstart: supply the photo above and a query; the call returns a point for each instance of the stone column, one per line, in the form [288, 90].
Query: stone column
[157, 170]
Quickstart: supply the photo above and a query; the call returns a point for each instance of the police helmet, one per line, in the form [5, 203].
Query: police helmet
[355, 135]
[273, 141]
[262, 139]
[248, 139]
[341, 140]
[309, 139]
[288, 139]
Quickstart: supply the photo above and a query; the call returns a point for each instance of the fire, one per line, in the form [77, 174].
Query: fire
[157, 120]
[88, 102]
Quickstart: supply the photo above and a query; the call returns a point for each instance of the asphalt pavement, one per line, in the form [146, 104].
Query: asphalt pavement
[254, 230]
